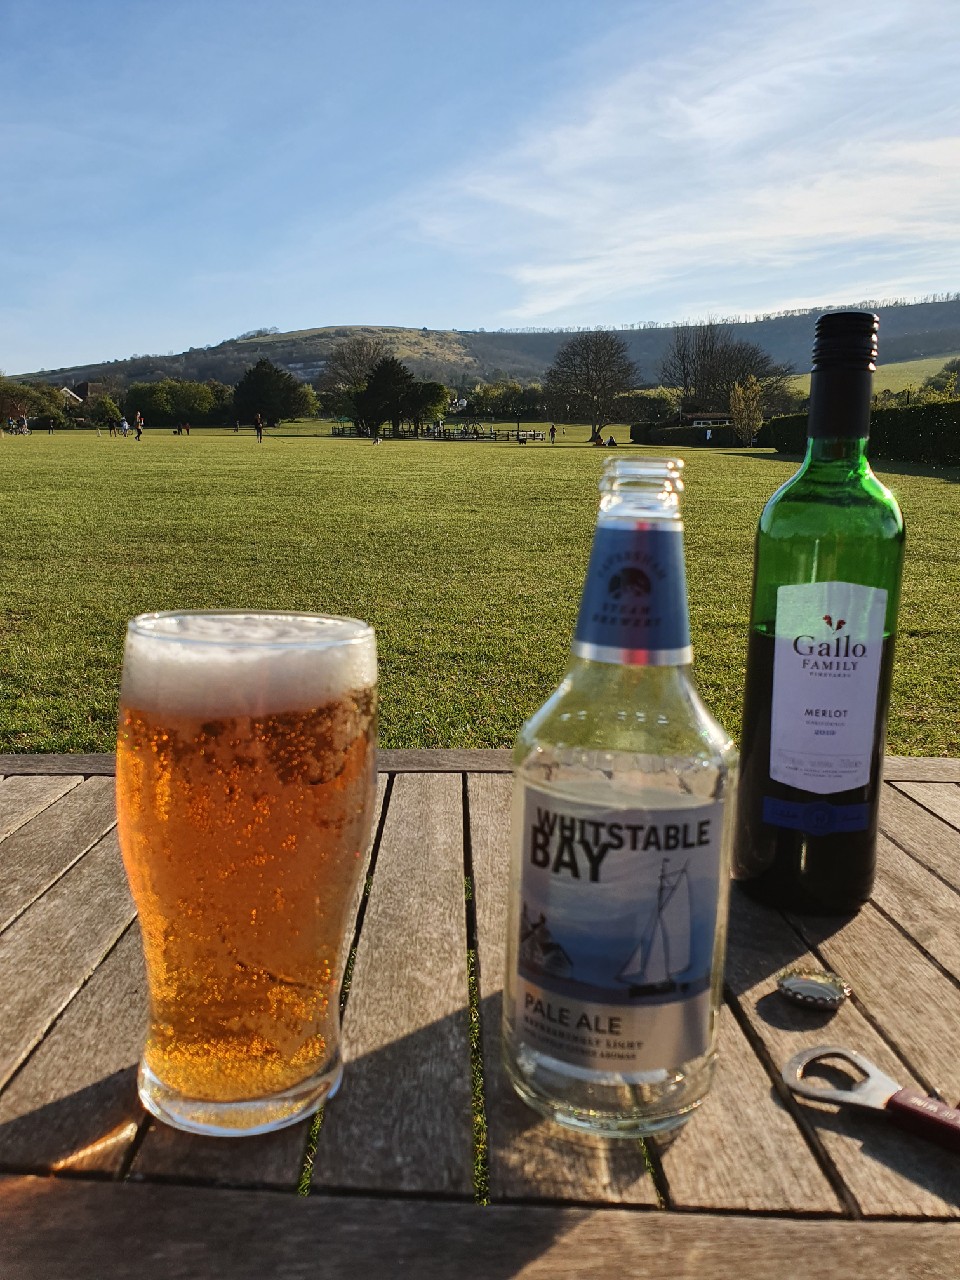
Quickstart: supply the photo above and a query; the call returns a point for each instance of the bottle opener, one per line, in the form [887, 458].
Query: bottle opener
[920, 1114]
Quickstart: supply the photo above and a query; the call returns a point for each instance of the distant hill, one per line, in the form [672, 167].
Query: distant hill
[908, 331]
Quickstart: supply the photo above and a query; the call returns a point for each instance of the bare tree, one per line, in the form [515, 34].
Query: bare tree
[704, 362]
[587, 375]
[351, 362]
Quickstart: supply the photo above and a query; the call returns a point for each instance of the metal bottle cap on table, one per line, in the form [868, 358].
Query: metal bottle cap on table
[814, 988]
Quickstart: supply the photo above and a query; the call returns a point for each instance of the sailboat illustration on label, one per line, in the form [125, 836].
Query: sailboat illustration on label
[660, 962]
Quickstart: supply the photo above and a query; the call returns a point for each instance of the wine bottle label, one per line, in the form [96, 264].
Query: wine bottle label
[618, 921]
[634, 605]
[826, 672]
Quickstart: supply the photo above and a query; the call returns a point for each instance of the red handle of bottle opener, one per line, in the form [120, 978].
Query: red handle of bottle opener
[927, 1117]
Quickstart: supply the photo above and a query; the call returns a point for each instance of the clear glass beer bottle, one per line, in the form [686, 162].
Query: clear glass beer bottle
[620, 842]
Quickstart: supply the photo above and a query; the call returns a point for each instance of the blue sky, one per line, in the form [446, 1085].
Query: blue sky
[178, 173]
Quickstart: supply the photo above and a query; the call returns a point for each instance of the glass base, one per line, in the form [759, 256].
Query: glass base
[591, 1103]
[243, 1118]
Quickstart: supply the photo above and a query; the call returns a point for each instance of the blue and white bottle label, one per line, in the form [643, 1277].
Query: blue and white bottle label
[617, 928]
[826, 673]
[634, 606]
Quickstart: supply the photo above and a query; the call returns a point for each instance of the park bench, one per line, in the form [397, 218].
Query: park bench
[758, 1184]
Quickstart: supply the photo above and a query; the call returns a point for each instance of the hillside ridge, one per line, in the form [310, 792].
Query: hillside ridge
[460, 357]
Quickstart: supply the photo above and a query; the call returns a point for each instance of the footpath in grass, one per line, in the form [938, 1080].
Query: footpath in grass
[468, 558]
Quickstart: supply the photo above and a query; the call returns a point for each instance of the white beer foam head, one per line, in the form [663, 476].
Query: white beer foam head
[225, 664]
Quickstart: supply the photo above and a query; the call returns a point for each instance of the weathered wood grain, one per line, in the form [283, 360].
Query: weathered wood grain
[22, 798]
[73, 1104]
[925, 837]
[921, 769]
[264, 1160]
[40, 851]
[59, 1228]
[50, 951]
[885, 1171]
[943, 798]
[742, 1150]
[392, 760]
[529, 1158]
[403, 1120]
[483, 761]
[910, 1000]
[88, 765]
[920, 903]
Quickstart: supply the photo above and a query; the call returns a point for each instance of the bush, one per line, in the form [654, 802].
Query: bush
[720, 437]
[928, 433]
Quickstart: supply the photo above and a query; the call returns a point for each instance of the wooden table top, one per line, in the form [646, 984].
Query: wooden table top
[92, 1187]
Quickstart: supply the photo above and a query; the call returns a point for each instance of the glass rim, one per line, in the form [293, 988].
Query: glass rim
[355, 632]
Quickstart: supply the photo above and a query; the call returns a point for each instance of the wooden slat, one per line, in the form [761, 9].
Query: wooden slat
[399, 760]
[89, 764]
[741, 1150]
[529, 1157]
[50, 951]
[885, 1171]
[265, 1160]
[943, 798]
[88, 1231]
[921, 769]
[73, 1105]
[925, 837]
[35, 855]
[392, 760]
[403, 1120]
[910, 1000]
[920, 903]
[481, 761]
[22, 798]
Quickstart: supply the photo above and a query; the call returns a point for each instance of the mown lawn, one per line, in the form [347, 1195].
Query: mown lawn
[467, 558]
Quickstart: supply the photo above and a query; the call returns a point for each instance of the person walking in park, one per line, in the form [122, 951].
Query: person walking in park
[258, 424]
[553, 434]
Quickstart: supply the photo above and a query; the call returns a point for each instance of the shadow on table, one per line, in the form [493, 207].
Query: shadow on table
[761, 941]
[86, 1130]
[926, 1165]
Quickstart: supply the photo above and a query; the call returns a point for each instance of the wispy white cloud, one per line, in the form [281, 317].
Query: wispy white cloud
[755, 143]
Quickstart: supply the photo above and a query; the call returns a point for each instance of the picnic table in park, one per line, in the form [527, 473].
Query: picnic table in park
[758, 1184]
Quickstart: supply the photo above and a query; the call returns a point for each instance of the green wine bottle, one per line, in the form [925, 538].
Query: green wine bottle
[829, 555]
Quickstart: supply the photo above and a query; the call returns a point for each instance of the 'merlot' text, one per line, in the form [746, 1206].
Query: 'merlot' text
[578, 846]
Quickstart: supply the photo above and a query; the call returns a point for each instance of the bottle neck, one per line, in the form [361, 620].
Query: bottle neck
[634, 606]
[840, 403]
[844, 454]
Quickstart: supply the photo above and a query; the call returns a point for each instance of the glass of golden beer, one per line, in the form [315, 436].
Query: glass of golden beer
[246, 763]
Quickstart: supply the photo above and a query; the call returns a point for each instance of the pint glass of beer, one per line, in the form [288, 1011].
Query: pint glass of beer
[245, 785]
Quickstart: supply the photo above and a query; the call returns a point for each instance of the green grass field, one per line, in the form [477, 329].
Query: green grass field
[467, 558]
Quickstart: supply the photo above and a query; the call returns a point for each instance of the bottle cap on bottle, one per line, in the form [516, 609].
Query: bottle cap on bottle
[841, 385]
[846, 339]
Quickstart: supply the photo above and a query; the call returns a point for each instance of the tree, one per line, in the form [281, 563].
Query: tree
[746, 408]
[272, 392]
[382, 399]
[587, 375]
[425, 402]
[704, 362]
[946, 378]
[351, 362]
[103, 410]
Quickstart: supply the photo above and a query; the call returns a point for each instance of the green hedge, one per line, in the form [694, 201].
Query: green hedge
[927, 433]
[720, 437]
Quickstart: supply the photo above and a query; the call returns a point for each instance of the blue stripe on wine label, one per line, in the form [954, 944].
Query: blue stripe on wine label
[635, 595]
[816, 817]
